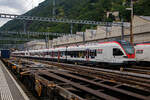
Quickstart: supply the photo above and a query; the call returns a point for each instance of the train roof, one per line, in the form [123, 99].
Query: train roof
[82, 47]
[143, 44]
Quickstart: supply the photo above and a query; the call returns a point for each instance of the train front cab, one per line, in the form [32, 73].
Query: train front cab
[129, 52]
[118, 53]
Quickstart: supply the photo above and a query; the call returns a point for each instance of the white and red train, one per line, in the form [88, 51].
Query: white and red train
[143, 53]
[112, 53]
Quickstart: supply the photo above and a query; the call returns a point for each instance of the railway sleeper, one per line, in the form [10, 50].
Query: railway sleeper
[64, 74]
[92, 86]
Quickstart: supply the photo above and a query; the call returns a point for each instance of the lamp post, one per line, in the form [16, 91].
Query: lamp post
[131, 24]
[122, 30]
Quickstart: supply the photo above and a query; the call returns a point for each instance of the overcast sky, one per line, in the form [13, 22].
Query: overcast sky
[16, 7]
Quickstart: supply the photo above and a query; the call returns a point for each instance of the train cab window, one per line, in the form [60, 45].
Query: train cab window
[117, 52]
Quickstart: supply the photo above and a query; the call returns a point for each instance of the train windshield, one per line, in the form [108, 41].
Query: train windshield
[129, 49]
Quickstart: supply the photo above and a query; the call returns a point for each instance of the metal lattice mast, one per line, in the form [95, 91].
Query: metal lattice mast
[54, 8]
[47, 19]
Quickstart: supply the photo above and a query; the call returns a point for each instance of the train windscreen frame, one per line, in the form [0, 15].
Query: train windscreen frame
[127, 46]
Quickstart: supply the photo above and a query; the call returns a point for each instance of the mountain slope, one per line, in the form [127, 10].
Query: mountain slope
[74, 9]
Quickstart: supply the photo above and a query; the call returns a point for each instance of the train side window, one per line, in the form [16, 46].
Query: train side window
[70, 53]
[51, 54]
[77, 54]
[139, 51]
[99, 51]
[45, 53]
[117, 52]
[74, 54]
[82, 54]
[55, 54]
[62, 53]
[93, 53]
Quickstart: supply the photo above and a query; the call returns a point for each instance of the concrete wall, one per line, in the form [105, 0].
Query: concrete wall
[140, 25]
[34, 45]
[141, 30]
[139, 21]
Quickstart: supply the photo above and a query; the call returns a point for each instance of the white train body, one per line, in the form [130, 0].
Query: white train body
[143, 52]
[107, 52]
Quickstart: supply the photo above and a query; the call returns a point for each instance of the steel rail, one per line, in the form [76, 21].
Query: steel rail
[97, 70]
[54, 74]
[102, 85]
[96, 93]
[115, 77]
[62, 90]
[107, 75]
[111, 71]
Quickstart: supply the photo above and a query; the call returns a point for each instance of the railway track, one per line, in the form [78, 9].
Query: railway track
[137, 70]
[132, 79]
[83, 83]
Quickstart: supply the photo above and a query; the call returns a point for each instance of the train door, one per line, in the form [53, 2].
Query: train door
[49, 54]
[87, 54]
[66, 54]
[106, 54]
[52, 54]
[58, 55]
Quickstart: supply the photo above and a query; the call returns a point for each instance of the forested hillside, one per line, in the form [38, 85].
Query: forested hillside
[77, 9]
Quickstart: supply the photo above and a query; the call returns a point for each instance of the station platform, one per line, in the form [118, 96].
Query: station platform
[9, 88]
